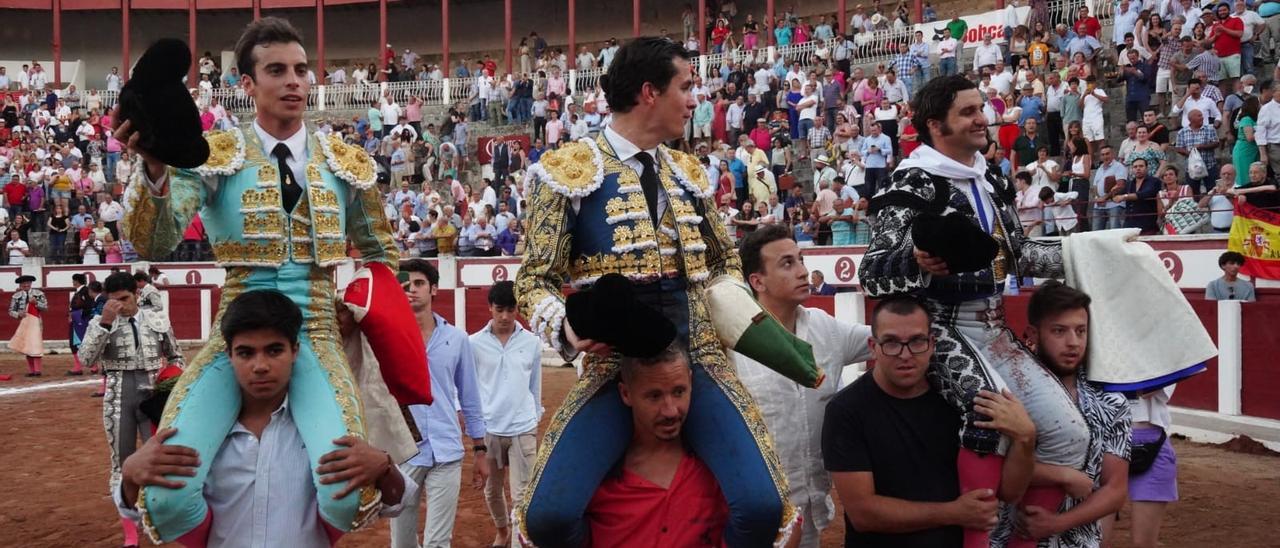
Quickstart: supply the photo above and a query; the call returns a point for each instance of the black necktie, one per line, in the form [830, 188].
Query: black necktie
[289, 188]
[133, 323]
[649, 183]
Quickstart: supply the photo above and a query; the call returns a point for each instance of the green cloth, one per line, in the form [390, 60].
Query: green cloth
[768, 343]
[957, 28]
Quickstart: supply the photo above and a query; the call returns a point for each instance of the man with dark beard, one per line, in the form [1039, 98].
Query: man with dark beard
[946, 230]
[1059, 332]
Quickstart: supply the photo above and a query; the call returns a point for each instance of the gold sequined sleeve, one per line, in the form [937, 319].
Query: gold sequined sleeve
[369, 230]
[722, 255]
[546, 263]
[154, 224]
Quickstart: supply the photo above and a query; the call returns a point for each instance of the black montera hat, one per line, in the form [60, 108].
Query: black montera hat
[160, 107]
[609, 313]
[955, 239]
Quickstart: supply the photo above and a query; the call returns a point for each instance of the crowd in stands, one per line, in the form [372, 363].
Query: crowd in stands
[1201, 130]
[62, 176]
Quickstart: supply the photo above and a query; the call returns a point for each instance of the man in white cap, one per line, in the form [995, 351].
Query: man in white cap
[751, 155]
[822, 171]
[763, 184]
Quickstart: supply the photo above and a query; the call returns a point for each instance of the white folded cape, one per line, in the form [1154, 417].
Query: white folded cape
[1141, 327]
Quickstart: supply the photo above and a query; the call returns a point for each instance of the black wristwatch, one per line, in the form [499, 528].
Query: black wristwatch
[479, 447]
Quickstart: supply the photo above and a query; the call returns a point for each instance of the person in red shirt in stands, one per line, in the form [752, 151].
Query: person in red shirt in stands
[1086, 24]
[15, 194]
[660, 493]
[1225, 36]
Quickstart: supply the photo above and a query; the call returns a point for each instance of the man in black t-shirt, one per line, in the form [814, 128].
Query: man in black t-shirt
[890, 444]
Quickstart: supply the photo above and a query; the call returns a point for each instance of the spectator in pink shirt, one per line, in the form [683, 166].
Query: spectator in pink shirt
[760, 135]
[554, 128]
[206, 118]
[413, 113]
[555, 83]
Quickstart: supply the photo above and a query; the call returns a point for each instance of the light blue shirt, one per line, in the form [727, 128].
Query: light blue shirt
[510, 379]
[1100, 173]
[702, 113]
[1125, 22]
[920, 50]
[454, 388]
[879, 158]
[260, 491]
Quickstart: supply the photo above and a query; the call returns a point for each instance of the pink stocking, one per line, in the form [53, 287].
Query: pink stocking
[1048, 497]
[130, 531]
[978, 471]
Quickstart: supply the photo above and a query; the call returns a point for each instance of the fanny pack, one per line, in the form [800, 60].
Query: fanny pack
[1143, 455]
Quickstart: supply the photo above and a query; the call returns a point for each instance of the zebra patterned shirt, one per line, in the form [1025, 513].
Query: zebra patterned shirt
[1107, 415]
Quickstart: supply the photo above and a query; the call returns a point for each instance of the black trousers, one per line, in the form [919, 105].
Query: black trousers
[1056, 134]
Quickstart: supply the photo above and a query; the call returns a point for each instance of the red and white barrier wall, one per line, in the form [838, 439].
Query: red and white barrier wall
[1244, 381]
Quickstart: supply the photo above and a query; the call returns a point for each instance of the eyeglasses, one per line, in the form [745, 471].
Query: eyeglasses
[917, 345]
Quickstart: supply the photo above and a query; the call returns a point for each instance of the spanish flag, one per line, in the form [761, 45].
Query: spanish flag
[1255, 233]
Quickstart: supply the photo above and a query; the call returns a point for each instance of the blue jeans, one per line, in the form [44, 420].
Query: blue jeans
[805, 125]
[1246, 58]
[947, 67]
[595, 439]
[110, 168]
[1106, 219]
[57, 241]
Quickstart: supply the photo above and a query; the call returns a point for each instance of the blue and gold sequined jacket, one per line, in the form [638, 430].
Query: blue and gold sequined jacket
[588, 217]
[237, 194]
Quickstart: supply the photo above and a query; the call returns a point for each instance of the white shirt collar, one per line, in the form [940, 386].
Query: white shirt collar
[297, 142]
[238, 428]
[623, 148]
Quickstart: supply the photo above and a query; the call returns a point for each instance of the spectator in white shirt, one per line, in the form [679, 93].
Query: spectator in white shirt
[113, 79]
[390, 114]
[734, 117]
[249, 497]
[1002, 79]
[85, 132]
[508, 363]
[577, 127]
[39, 80]
[777, 275]
[1030, 209]
[16, 249]
[337, 76]
[1092, 125]
[1219, 201]
[947, 49]
[1044, 171]
[1197, 101]
[1267, 133]
[110, 212]
[1253, 29]
[986, 54]
[1060, 218]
